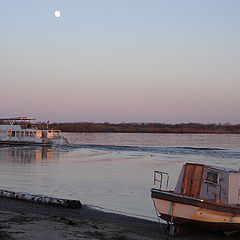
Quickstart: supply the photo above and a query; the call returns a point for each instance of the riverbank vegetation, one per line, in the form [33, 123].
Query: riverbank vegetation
[147, 127]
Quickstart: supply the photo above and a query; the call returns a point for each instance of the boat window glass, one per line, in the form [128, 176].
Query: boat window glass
[212, 177]
[31, 134]
[22, 134]
[17, 134]
[26, 134]
[13, 133]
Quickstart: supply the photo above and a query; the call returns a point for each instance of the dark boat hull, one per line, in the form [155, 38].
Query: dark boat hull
[24, 143]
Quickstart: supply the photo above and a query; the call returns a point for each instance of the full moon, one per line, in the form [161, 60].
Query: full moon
[57, 13]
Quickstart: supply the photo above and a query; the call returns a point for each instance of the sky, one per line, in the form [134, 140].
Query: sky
[165, 61]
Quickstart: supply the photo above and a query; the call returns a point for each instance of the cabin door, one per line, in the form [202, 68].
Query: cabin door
[192, 180]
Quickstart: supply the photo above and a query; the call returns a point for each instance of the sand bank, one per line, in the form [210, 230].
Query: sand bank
[27, 220]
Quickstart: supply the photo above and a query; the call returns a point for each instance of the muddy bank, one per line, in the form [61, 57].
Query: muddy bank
[27, 220]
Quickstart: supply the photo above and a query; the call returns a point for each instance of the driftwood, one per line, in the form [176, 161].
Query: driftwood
[41, 199]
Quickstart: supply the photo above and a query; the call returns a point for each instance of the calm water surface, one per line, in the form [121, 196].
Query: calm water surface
[113, 171]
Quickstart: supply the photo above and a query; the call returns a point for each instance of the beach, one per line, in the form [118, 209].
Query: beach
[28, 220]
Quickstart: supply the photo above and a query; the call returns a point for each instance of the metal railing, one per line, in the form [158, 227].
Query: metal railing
[161, 180]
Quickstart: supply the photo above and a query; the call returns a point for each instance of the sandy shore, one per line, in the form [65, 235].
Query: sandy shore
[27, 220]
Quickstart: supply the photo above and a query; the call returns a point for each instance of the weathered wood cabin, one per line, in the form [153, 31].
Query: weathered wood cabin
[210, 183]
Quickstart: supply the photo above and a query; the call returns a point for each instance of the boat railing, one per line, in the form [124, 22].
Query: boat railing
[161, 180]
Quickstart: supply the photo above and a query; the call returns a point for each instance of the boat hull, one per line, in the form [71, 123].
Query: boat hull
[180, 209]
[22, 143]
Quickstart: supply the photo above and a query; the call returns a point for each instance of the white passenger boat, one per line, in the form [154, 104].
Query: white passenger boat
[22, 131]
[205, 196]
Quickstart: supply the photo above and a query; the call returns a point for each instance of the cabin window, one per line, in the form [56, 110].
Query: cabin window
[26, 134]
[17, 134]
[22, 134]
[31, 134]
[212, 177]
[13, 134]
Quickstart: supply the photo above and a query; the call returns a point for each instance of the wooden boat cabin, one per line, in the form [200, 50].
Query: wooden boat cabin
[211, 183]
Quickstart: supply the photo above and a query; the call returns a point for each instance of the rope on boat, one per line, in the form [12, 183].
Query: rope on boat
[41, 199]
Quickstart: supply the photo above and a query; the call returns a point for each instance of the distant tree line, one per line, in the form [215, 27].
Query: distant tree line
[146, 127]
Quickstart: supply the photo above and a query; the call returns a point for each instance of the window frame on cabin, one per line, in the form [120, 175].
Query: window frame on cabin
[212, 177]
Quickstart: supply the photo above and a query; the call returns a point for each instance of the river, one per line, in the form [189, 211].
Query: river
[112, 171]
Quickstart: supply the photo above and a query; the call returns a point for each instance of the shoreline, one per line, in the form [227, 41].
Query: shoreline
[154, 127]
[65, 223]
[29, 220]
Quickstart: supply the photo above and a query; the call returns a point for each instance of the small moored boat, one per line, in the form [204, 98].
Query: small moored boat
[21, 131]
[205, 196]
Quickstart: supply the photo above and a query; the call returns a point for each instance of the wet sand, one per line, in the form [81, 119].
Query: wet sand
[27, 220]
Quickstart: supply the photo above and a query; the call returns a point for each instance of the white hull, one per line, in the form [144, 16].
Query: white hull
[178, 210]
[212, 216]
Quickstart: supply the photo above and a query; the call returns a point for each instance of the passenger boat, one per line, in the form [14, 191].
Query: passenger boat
[21, 131]
[205, 197]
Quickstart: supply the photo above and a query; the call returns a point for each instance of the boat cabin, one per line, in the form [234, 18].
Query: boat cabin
[217, 184]
[20, 130]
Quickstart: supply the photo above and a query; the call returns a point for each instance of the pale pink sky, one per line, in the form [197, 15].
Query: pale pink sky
[137, 61]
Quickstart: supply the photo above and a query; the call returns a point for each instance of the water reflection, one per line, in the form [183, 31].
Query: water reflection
[29, 154]
[113, 171]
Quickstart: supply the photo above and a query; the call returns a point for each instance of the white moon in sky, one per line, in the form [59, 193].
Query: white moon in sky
[57, 13]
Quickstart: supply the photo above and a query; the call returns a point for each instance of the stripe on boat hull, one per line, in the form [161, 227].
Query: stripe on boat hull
[210, 226]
